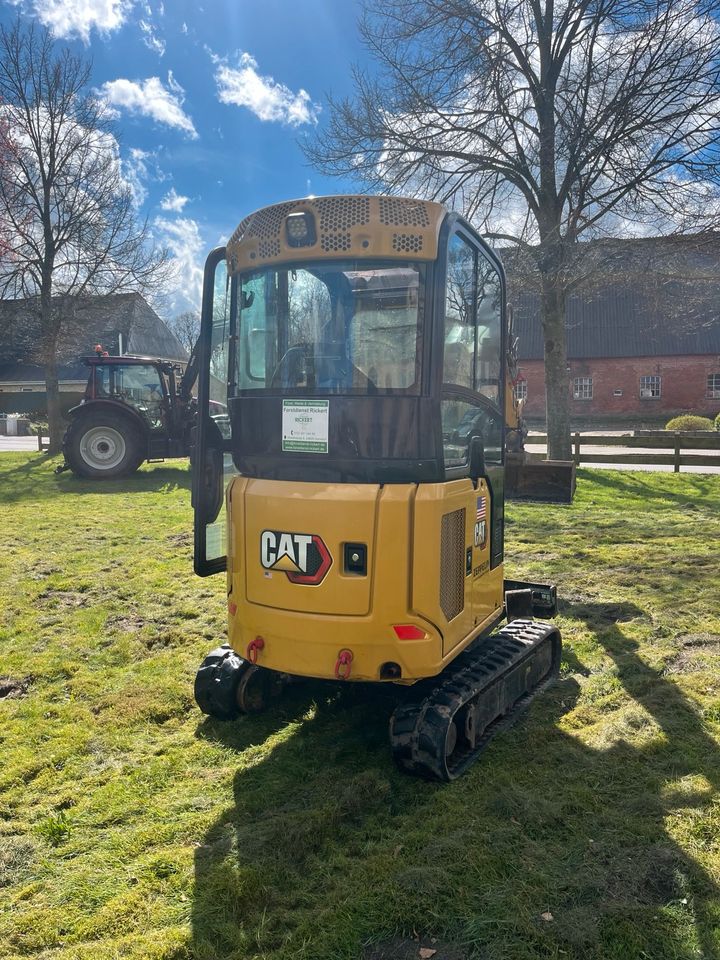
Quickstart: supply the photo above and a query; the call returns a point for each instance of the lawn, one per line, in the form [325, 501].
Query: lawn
[131, 826]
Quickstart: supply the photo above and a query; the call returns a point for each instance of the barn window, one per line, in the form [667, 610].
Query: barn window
[713, 385]
[650, 387]
[582, 388]
[521, 389]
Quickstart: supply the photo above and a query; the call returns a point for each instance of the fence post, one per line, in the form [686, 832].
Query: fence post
[676, 465]
[576, 457]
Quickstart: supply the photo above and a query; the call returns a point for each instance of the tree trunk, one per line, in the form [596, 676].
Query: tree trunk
[557, 393]
[55, 419]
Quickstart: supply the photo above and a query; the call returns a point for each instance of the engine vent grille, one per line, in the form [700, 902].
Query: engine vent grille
[407, 242]
[269, 248]
[335, 241]
[396, 212]
[264, 225]
[341, 213]
[452, 563]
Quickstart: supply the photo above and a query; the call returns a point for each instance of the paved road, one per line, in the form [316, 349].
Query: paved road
[18, 443]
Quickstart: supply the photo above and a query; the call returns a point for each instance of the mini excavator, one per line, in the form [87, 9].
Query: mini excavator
[352, 406]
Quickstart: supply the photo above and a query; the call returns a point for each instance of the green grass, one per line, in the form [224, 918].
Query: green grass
[132, 827]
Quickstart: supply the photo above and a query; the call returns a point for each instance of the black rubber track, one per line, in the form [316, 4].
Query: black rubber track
[217, 681]
[480, 694]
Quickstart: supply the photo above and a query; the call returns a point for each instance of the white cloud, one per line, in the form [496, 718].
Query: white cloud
[150, 99]
[77, 18]
[245, 87]
[135, 172]
[183, 240]
[175, 86]
[150, 38]
[173, 201]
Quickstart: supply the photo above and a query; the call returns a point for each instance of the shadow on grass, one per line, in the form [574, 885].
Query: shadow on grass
[672, 880]
[646, 486]
[32, 480]
[309, 861]
[327, 783]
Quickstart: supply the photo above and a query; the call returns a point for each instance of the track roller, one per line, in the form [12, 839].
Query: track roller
[227, 686]
[481, 693]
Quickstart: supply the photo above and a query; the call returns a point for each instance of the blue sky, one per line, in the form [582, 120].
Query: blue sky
[210, 101]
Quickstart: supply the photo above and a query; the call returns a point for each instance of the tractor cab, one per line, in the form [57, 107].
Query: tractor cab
[147, 386]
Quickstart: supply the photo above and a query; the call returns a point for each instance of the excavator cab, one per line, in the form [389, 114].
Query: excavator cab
[358, 346]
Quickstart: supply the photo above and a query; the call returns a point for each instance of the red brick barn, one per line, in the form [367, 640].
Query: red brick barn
[640, 348]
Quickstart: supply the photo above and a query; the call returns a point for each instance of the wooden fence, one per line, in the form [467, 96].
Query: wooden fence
[652, 441]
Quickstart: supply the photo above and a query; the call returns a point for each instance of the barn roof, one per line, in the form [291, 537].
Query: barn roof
[657, 297]
[87, 321]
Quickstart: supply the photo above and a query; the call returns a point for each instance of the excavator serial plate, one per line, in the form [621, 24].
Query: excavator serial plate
[481, 693]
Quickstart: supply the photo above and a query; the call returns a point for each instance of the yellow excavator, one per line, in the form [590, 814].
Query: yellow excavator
[355, 366]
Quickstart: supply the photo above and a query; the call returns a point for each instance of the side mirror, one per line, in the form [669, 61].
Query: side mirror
[477, 458]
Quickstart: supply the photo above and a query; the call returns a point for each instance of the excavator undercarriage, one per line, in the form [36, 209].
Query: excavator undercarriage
[449, 721]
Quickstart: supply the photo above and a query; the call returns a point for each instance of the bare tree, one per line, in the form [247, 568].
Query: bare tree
[186, 327]
[70, 215]
[547, 122]
[6, 157]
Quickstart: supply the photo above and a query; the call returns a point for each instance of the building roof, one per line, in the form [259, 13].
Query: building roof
[623, 322]
[655, 297]
[87, 321]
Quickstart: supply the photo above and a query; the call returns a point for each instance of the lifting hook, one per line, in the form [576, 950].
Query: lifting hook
[253, 647]
[342, 665]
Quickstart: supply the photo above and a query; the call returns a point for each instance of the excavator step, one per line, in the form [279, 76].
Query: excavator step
[481, 693]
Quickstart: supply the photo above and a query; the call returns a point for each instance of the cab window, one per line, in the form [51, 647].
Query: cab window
[344, 327]
[459, 356]
[472, 360]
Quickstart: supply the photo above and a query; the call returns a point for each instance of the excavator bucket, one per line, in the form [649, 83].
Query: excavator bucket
[550, 481]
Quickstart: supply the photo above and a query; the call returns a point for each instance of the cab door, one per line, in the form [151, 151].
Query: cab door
[212, 464]
[471, 417]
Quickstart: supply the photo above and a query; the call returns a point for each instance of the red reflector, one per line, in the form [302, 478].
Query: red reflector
[232, 607]
[408, 631]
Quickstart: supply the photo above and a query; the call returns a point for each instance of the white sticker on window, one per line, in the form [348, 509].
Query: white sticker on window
[215, 540]
[305, 426]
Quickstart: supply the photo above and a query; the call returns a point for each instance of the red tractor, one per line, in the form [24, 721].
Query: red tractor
[134, 409]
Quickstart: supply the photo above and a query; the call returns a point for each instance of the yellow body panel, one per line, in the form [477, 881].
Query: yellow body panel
[304, 627]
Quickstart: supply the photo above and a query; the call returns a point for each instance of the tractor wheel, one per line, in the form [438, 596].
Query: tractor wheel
[102, 445]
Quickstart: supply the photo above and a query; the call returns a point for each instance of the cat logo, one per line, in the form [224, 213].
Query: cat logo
[303, 557]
